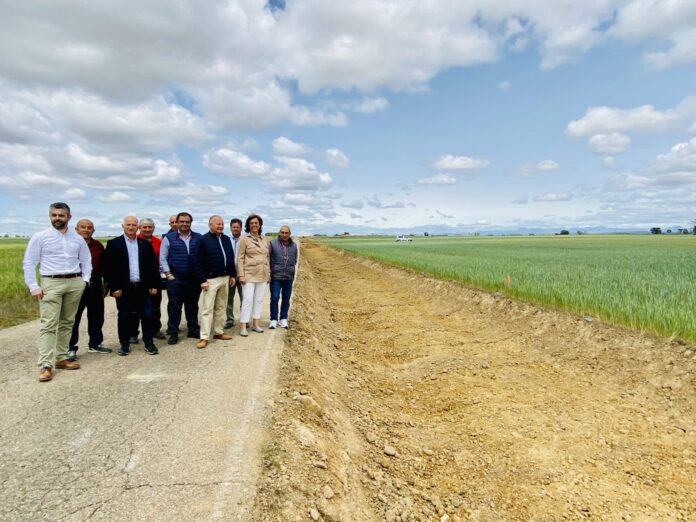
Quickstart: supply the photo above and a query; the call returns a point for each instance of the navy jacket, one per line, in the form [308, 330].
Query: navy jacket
[117, 270]
[283, 259]
[210, 262]
[182, 263]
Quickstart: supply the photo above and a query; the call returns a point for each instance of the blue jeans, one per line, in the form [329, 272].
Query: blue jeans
[278, 288]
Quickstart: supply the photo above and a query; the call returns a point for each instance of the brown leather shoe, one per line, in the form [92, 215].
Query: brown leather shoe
[222, 337]
[45, 374]
[67, 365]
[202, 343]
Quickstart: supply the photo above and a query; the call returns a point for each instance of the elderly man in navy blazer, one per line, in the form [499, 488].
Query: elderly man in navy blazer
[131, 272]
[215, 273]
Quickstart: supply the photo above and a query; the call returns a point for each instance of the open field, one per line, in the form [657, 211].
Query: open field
[644, 282]
[17, 305]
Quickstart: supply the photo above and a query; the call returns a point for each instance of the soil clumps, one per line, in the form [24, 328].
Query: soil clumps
[406, 398]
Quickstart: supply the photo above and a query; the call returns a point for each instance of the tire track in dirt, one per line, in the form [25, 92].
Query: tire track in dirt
[497, 409]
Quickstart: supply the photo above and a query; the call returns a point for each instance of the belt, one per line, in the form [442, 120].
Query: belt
[63, 276]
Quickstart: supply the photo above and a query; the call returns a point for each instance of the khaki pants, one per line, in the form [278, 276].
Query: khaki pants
[57, 310]
[212, 306]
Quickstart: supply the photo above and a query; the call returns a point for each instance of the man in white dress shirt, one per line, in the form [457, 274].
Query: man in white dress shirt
[65, 266]
[236, 230]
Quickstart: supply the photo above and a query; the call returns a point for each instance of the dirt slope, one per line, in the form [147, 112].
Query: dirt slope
[492, 409]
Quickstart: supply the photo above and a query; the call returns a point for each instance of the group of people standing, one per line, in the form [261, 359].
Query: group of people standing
[201, 274]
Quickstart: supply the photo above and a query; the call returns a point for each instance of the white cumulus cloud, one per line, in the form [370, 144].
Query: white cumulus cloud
[644, 118]
[369, 105]
[283, 146]
[553, 197]
[612, 143]
[337, 158]
[115, 197]
[297, 174]
[234, 163]
[450, 162]
[547, 165]
[74, 194]
[438, 179]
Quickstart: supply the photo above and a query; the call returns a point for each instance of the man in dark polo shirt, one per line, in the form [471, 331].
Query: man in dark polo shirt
[92, 297]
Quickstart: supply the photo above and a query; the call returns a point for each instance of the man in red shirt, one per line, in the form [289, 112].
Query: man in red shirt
[147, 232]
[92, 297]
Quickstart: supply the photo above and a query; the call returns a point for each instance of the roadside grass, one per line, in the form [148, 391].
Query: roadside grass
[643, 282]
[17, 305]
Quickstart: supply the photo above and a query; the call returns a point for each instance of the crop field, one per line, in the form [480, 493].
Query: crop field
[17, 305]
[644, 282]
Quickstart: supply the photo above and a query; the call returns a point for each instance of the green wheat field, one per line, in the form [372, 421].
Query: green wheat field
[16, 304]
[643, 282]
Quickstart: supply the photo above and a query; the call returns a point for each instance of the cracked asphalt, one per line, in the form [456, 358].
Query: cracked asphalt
[174, 436]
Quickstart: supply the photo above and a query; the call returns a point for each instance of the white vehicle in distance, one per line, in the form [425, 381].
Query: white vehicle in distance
[403, 237]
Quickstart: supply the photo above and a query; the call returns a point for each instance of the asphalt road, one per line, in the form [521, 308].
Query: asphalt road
[175, 436]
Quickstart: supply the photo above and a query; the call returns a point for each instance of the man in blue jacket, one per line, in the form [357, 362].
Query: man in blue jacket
[178, 262]
[215, 273]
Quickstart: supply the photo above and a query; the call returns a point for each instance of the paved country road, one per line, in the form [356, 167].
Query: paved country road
[168, 437]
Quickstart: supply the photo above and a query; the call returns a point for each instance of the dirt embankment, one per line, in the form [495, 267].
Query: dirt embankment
[404, 398]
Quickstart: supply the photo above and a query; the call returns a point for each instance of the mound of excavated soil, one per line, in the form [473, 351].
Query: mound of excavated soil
[406, 398]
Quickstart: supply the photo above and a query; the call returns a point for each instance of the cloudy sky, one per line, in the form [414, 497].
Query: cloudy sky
[360, 115]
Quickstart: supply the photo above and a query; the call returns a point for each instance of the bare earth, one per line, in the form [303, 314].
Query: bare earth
[491, 409]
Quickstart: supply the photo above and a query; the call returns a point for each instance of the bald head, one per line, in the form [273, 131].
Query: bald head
[85, 228]
[216, 225]
[172, 223]
[130, 226]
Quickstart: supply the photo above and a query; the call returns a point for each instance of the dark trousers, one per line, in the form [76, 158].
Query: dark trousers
[156, 301]
[230, 300]
[134, 306]
[93, 300]
[278, 289]
[183, 293]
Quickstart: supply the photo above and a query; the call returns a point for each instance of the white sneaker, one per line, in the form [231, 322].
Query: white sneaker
[283, 323]
[273, 325]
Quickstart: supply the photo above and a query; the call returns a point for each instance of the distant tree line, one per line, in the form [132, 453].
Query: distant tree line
[658, 230]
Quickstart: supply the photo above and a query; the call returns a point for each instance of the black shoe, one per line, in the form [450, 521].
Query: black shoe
[134, 340]
[159, 335]
[173, 339]
[229, 324]
[194, 334]
[151, 349]
[99, 349]
[124, 350]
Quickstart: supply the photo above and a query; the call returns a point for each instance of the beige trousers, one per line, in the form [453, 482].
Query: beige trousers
[212, 306]
[57, 310]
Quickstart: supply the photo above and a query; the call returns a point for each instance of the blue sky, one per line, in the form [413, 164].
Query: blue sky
[363, 116]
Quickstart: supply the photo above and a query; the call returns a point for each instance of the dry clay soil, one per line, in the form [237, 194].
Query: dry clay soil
[406, 398]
